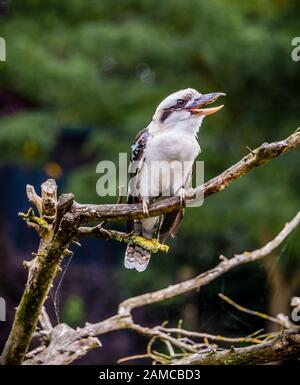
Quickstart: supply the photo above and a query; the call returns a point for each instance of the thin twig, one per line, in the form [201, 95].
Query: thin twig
[151, 245]
[253, 312]
[211, 336]
[205, 278]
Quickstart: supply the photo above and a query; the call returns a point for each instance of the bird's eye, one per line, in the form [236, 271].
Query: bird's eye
[180, 102]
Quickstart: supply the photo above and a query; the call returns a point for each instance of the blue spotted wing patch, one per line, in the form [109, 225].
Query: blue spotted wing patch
[139, 145]
[137, 153]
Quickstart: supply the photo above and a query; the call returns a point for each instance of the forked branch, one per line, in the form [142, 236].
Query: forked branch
[289, 343]
[59, 222]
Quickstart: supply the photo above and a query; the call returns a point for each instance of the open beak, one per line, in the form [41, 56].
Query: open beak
[198, 106]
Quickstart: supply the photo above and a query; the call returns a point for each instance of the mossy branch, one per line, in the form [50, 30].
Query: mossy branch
[42, 270]
[284, 346]
[151, 245]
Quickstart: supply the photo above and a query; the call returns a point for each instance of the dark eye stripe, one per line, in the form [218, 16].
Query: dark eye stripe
[179, 103]
[165, 114]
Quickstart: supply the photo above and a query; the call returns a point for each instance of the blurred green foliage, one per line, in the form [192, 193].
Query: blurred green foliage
[105, 65]
[73, 312]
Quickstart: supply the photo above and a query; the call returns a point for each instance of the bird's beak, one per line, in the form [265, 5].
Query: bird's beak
[198, 106]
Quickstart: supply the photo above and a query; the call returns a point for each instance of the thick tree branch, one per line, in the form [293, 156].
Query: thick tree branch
[124, 320]
[42, 271]
[65, 346]
[261, 155]
[285, 346]
[58, 226]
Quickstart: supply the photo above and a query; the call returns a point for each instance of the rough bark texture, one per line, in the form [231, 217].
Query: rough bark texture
[65, 346]
[124, 320]
[42, 269]
[261, 155]
[285, 346]
[58, 225]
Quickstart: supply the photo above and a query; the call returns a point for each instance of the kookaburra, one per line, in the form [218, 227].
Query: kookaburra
[158, 151]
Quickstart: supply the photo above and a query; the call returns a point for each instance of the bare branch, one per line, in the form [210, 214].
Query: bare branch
[205, 278]
[253, 312]
[212, 336]
[123, 320]
[65, 346]
[63, 219]
[44, 321]
[261, 155]
[285, 346]
[42, 271]
[34, 198]
[49, 198]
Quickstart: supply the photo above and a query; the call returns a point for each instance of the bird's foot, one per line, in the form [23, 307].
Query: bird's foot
[190, 193]
[151, 245]
[145, 208]
[182, 196]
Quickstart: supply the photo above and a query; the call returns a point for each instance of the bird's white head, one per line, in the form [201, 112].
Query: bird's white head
[185, 109]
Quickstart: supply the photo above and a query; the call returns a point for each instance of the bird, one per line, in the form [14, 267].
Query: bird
[157, 155]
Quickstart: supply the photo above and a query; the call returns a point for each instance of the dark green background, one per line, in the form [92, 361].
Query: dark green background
[82, 77]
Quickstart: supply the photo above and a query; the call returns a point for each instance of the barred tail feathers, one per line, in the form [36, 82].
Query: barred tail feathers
[136, 258]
